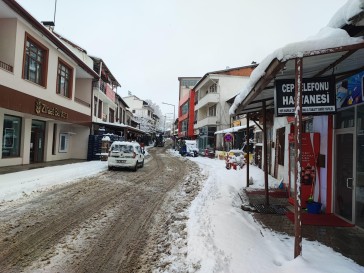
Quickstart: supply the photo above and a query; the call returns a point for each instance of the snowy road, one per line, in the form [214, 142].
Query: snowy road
[112, 222]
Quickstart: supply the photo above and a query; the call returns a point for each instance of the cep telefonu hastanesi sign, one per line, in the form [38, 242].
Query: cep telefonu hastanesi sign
[318, 96]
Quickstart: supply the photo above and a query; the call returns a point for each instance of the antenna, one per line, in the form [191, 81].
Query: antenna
[51, 24]
[55, 9]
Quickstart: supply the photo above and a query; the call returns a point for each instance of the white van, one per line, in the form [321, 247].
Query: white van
[124, 154]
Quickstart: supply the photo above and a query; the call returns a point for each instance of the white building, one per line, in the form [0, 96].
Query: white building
[45, 92]
[143, 113]
[213, 91]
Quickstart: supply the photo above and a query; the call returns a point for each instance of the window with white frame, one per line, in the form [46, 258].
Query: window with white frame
[212, 88]
[63, 142]
[212, 111]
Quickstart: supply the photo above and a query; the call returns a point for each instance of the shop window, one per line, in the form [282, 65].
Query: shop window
[64, 79]
[211, 131]
[35, 61]
[281, 144]
[11, 136]
[345, 119]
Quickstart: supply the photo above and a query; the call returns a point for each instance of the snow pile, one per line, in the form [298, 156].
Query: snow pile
[18, 184]
[223, 238]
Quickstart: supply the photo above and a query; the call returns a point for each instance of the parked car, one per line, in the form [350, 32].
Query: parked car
[124, 154]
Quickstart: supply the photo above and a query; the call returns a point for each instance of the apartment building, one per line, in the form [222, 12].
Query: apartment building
[212, 93]
[143, 113]
[186, 107]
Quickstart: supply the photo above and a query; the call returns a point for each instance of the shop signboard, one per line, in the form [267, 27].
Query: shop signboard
[350, 91]
[318, 96]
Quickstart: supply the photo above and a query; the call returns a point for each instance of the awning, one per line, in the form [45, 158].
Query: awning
[340, 61]
[120, 126]
[234, 129]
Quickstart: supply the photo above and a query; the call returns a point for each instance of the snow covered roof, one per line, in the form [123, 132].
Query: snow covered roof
[234, 129]
[121, 126]
[347, 14]
[324, 54]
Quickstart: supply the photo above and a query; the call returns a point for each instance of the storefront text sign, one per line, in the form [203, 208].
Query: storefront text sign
[318, 96]
[43, 108]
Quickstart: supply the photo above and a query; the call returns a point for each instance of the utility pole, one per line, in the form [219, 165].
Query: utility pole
[298, 157]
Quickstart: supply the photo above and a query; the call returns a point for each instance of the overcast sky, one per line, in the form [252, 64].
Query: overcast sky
[148, 44]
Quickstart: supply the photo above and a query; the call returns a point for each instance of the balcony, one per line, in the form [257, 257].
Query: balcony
[102, 86]
[206, 121]
[85, 103]
[210, 98]
[6, 66]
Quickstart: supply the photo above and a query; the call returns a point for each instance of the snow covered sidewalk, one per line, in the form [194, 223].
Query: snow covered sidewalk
[223, 238]
[220, 236]
[18, 184]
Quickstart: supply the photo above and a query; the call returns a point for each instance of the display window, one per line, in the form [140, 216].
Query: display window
[11, 136]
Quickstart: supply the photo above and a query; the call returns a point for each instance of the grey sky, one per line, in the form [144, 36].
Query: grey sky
[148, 44]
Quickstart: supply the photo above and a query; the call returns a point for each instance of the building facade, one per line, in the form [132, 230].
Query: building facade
[186, 107]
[212, 93]
[45, 99]
[143, 114]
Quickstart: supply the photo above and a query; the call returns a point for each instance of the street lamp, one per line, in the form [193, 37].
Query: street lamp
[174, 119]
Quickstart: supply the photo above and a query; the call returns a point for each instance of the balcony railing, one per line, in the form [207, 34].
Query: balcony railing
[82, 102]
[102, 86]
[210, 98]
[210, 120]
[6, 66]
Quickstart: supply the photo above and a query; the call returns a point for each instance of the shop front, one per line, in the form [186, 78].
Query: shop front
[348, 174]
[35, 130]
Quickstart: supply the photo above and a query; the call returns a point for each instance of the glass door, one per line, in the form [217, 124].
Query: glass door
[37, 141]
[344, 174]
[359, 181]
